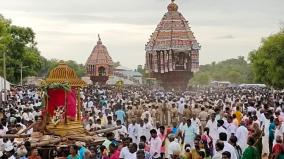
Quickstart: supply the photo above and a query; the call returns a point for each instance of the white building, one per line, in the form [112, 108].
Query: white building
[32, 80]
[8, 84]
[128, 76]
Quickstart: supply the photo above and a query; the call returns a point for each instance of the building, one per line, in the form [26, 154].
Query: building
[99, 65]
[2, 84]
[172, 51]
[32, 80]
[128, 76]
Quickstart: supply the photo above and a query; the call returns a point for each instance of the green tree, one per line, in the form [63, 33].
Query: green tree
[141, 70]
[268, 61]
[200, 79]
[116, 64]
[50, 64]
[233, 76]
[233, 70]
[18, 43]
[78, 68]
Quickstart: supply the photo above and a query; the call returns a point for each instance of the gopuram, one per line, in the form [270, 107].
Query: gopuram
[99, 65]
[172, 53]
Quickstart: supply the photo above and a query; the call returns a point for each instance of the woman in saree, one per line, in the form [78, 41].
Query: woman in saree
[251, 152]
[278, 149]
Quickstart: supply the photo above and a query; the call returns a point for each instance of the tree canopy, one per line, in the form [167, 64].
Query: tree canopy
[50, 64]
[232, 70]
[19, 46]
[268, 61]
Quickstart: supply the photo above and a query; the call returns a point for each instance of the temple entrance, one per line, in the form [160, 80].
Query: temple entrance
[102, 71]
[179, 61]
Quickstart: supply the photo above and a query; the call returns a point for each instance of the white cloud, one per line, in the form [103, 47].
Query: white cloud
[67, 29]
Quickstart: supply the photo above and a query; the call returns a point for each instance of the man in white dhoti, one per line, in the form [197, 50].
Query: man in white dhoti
[213, 129]
[242, 135]
[265, 138]
[133, 131]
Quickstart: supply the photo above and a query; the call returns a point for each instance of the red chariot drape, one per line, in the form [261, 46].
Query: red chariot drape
[57, 99]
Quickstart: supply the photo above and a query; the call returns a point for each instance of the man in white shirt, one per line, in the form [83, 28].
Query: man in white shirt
[31, 115]
[213, 129]
[122, 131]
[146, 114]
[182, 125]
[127, 151]
[242, 135]
[90, 125]
[222, 128]
[227, 146]
[173, 146]
[251, 108]
[180, 107]
[195, 122]
[89, 106]
[133, 131]
[140, 129]
[219, 146]
[36, 112]
[155, 144]
[265, 139]
[232, 128]
[9, 152]
[146, 128]
[25, 115]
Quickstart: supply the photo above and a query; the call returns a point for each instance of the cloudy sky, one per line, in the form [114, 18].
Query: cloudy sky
[67, 29]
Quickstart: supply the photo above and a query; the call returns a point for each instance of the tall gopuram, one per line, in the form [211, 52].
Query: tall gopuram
[99, 65]
[172, 53]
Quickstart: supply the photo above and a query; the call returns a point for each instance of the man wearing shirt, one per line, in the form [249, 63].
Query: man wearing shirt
[227, 146]
[174, 146]
[180, 108]
[242, 135]
[133, 131]
[120, 114]
[213, 129]
[203, 115]
[127, 152]
[195, 122]
[219, 150]
[189, 133]
[122, 132]
[222, 128]
[155, 144]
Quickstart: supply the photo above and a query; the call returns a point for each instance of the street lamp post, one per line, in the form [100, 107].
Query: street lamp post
[22, 67]
[4, 72]
[4, 76]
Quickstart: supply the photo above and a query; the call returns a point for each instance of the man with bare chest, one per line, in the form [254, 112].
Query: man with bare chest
[39, 130]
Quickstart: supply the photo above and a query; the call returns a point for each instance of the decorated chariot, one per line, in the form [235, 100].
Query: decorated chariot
[61, 115]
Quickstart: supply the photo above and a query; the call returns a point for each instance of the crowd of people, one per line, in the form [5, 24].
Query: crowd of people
[204, 123]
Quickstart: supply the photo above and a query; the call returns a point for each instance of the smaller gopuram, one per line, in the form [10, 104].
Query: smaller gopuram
[99, 65]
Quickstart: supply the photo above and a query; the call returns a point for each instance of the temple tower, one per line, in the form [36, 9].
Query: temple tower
[172, 53]
[99, 65]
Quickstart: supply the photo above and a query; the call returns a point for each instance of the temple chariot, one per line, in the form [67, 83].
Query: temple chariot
[172, 52]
